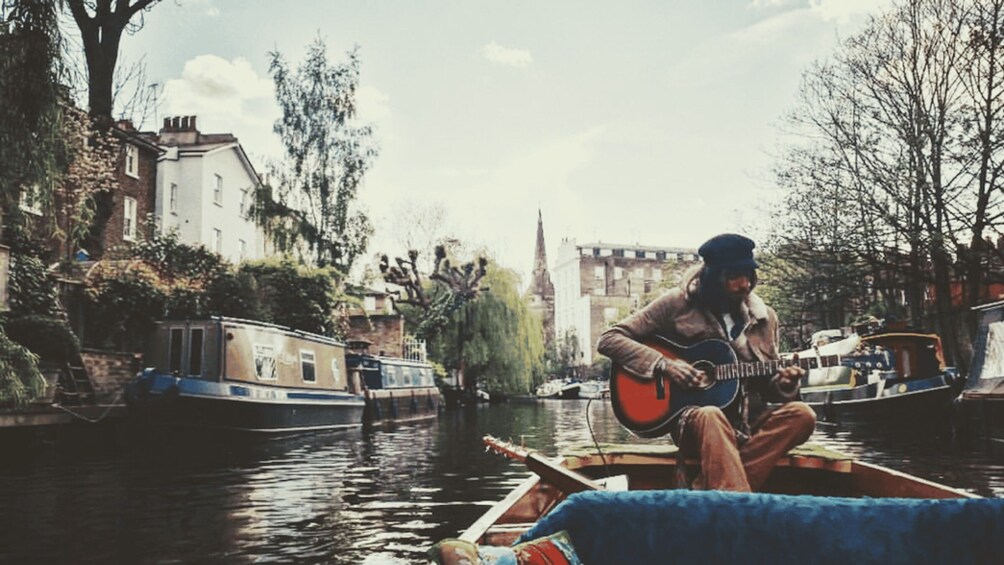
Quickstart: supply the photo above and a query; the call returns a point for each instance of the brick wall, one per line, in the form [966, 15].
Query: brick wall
[143, 189]
[109, 373]
[386, 333]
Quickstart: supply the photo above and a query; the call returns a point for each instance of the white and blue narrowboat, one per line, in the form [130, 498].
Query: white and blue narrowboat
[396, 389]
[914, 383]
[233, 374]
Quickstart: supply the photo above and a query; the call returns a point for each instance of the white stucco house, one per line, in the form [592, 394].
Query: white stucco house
[205, 186]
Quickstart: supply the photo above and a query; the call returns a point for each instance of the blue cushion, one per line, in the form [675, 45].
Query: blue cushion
[683, 526]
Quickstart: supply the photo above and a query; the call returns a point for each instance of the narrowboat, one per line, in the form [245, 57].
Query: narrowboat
[396, 389]
[913, 381]
[620, 504]
[233, 374]
[982, 397]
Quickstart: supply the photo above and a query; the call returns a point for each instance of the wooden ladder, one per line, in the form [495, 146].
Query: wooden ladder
[75, 386]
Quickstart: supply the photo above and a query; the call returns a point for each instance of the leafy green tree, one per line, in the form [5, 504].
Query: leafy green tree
[300, 297]
[493, 339]
[327, 152]
[32, 145]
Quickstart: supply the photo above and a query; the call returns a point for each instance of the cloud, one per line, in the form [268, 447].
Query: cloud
[228, 97]
[507, 56]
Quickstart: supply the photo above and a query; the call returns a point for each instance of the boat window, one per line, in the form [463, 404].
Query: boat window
[264, 362]
[391, 375]
[407, 375]
[177, 344]
[195, 351]
[307, 367]
[336, 372]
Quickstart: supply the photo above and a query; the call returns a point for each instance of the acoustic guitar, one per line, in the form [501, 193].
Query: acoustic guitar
[648, 407]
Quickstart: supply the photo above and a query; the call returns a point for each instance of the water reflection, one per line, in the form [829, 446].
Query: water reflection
[371, 496]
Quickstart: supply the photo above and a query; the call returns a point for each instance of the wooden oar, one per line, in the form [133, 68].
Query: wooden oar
[565, 479]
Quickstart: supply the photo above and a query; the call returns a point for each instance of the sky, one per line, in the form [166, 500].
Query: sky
[636, 122]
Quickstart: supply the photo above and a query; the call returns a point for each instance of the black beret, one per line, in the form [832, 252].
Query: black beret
[729, 251]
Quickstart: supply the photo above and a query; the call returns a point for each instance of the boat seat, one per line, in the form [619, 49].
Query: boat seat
[683, 526]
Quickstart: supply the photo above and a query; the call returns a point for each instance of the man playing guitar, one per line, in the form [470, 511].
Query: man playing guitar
[715, 301]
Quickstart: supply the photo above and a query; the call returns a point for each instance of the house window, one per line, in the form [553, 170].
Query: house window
[657, 274]
[31, 201]
[618, 273]
[264, 362]
[307, 370]
[243, 245]
[218, 190]
[132, 161]
[618, 252]
[174, 198]
[369, 303]
[660, 255]
[598, 272]
[217, 243]
[639, 254]
[129, 219]
[596, 252]
[244, 203]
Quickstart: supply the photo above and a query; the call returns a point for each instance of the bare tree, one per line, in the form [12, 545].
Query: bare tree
[101, 23]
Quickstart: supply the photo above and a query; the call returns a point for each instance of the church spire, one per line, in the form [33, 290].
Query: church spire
[540, 258]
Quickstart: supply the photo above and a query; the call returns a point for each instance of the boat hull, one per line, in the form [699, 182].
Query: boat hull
[923, 398]
[402, 405]
[160, 399]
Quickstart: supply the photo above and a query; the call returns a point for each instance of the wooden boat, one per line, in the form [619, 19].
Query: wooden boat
[233, 374]
[564, 389]
[982, 397]
[919, 383]
[807, 470]
[395, 389]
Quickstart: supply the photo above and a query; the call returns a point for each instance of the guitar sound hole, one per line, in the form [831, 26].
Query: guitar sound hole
[707, 373]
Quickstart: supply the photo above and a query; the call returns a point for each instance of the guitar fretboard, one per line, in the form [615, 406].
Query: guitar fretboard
[764, 368]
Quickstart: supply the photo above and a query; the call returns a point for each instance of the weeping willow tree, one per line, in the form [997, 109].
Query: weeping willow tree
[494, 338]
[32, 149]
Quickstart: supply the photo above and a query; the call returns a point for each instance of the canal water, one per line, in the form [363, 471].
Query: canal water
[120, 495]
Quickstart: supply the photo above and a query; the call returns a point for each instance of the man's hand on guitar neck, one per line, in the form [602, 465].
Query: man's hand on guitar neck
[680, 372]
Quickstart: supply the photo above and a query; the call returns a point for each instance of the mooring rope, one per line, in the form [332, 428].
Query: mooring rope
[113, 404]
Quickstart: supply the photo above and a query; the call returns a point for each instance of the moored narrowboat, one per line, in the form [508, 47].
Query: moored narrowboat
[915, 382]
[227, 373]
[396, 389]
[982, 397]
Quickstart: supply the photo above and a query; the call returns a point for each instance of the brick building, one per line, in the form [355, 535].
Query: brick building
[131, 202]
[595, 284]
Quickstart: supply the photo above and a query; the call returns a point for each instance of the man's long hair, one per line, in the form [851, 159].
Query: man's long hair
[711, 291]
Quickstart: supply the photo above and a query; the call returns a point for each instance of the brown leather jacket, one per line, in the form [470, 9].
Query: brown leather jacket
[680, 317]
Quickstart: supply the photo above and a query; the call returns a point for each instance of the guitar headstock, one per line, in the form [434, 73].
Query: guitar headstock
[873, 357]
[506, 448]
